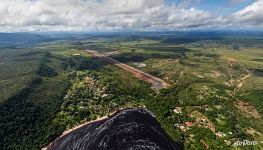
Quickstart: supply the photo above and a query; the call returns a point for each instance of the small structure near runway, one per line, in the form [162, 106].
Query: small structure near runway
[157, 83]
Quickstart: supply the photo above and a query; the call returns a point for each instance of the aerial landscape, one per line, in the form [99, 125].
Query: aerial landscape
[131, 74]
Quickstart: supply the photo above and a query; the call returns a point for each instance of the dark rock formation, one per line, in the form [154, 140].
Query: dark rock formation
[130, 129]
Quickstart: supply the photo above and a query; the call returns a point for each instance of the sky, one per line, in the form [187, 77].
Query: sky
[221, 7]
[129, 15]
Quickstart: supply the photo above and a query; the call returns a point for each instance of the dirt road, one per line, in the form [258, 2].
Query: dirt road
[157, 83]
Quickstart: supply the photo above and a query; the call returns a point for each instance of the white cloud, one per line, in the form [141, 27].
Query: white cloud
[94, 14]
[77, 15]
[252, 15]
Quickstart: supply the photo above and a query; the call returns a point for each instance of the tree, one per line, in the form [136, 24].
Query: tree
[236, 47]
[133, 50]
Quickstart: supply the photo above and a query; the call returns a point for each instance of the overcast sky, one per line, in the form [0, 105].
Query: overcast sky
[108, 15]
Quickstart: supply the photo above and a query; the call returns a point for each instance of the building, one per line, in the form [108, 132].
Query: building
[189, 124]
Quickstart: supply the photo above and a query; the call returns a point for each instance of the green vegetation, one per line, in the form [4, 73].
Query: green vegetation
[26, 116]
[17, 68]
[215, 97]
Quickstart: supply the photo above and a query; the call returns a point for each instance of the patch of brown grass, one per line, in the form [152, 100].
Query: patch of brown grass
[247, 110]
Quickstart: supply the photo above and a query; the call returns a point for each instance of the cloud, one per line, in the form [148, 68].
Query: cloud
[90, 15]
[94, 14]
[251, 15]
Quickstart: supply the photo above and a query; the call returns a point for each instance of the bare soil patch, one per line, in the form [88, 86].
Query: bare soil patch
[247, 110]
[253, 132]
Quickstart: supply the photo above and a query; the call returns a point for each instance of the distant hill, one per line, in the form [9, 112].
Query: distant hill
[21, 38]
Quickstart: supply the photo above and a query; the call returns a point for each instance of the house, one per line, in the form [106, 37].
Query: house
[220, 134]
[177, 125]
[182, 128]
[76, 54]
[189, 124]
[178, 110]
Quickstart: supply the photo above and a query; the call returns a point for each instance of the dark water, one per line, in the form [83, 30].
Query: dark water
[130, 129]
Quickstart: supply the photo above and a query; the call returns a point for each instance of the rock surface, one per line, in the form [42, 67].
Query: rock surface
[130, 129]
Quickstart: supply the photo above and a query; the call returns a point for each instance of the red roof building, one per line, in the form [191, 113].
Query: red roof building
[189, 124]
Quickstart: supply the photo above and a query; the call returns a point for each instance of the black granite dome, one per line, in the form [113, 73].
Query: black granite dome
[130, 129]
